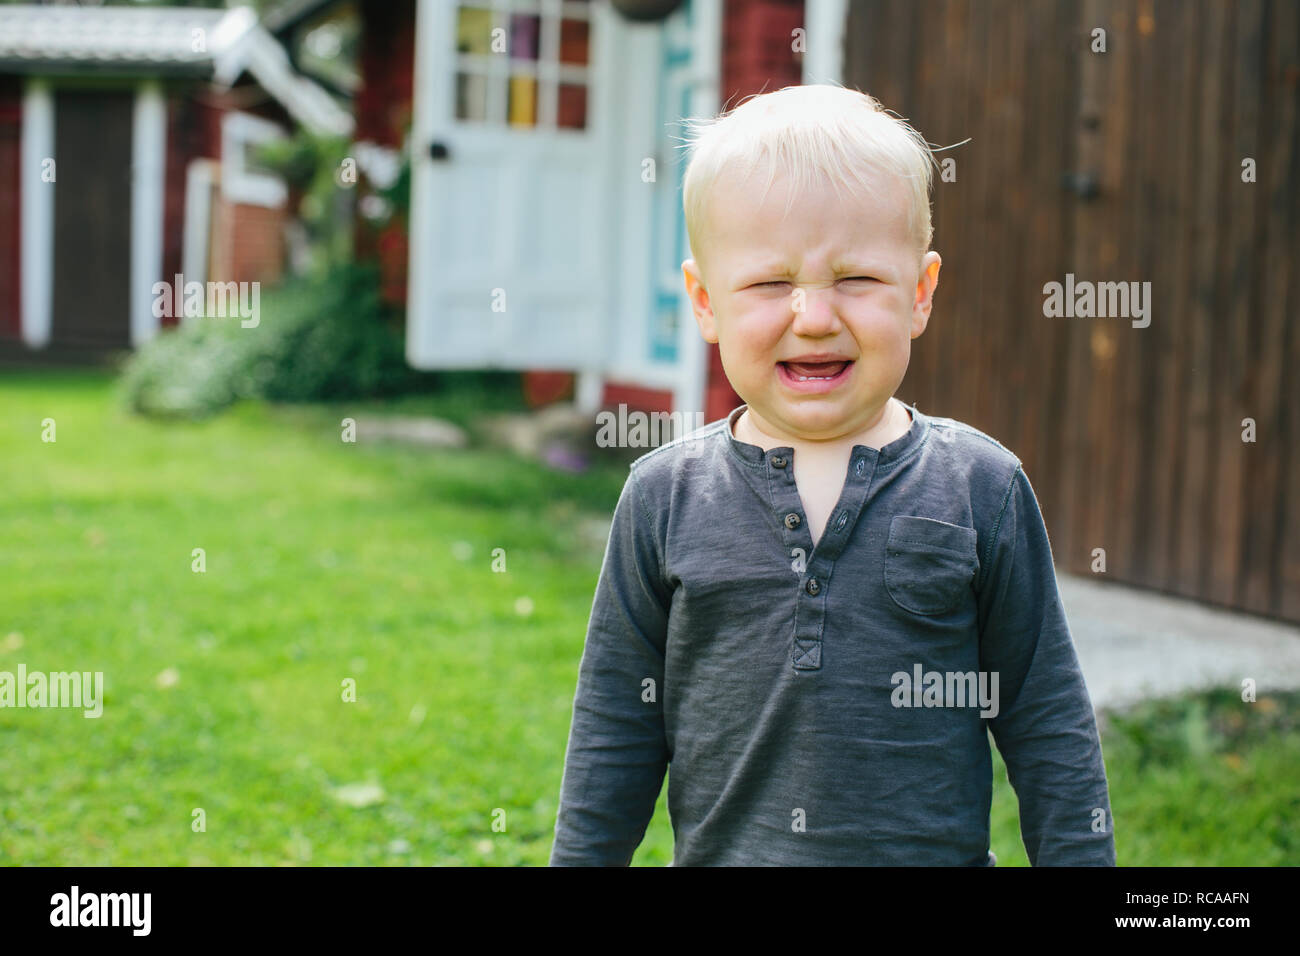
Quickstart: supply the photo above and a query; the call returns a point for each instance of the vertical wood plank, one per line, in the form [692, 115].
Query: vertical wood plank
[1197, 447]
[1274, 282]
[1286, 557]
[1232, 330]
[1064, 416]
[1120, 349]
[1162, 487]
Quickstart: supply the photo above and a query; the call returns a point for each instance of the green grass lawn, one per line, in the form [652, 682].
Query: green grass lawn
[327, 561]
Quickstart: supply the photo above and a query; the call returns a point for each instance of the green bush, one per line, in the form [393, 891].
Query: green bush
[316, 339]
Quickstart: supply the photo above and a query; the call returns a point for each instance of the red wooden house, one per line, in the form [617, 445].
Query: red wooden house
[124, 154]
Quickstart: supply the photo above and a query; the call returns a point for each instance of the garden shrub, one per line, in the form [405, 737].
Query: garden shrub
[316, 339]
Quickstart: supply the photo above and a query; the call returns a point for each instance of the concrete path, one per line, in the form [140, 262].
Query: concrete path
[1135, 644]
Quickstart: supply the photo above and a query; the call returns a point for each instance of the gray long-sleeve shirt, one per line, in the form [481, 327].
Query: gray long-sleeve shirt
[823, 705]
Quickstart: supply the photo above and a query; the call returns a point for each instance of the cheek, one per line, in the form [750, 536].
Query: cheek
[744, 363]
[883, 329]
[753, 338]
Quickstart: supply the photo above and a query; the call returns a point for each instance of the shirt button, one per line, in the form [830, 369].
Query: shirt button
[860, 467]
[841, 521]
[813, 587]
[792, 521]
[778, 461]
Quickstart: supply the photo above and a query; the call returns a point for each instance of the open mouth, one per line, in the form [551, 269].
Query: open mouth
[815, 371]
[814, 377]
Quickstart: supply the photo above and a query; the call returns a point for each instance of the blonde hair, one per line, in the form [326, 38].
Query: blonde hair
[811, 134]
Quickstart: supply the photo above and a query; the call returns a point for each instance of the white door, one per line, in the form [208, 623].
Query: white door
[511, 184]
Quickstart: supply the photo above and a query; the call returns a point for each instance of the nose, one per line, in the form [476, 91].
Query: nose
[814, 311]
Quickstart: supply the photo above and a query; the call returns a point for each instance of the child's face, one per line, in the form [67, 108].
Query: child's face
[838, 282]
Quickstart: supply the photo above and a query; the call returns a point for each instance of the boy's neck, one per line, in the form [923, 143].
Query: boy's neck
[892, 423]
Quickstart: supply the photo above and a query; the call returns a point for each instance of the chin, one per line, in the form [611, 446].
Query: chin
[818, 423]
[828, 420]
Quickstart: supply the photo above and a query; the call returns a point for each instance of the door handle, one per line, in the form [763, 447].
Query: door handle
[438, 150]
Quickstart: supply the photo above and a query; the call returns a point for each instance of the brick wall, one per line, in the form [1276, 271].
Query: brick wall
[247, 243]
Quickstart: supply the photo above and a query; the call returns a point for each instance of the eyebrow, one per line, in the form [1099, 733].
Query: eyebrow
[768, 268]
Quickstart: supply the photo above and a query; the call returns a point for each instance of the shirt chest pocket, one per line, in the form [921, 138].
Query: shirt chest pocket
[929, 564]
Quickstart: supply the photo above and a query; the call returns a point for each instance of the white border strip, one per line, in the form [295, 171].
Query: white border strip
[433, 22]
[37, 238]
[148, 179]
[825, 22]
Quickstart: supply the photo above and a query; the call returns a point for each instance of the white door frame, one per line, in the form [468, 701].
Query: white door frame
[148, 181]
[148, 171]
[36, 242]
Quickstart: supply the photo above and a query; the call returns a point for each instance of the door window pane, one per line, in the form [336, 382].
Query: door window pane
[523, 101]
[524, 33]
[572, 112]
[474, 30]
[574, 41]
[471, 96]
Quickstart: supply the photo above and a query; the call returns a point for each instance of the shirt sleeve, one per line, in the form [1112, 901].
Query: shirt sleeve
[617, 753]
[1045, 727]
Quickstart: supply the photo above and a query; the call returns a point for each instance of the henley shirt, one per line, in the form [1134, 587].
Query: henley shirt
[819, 705]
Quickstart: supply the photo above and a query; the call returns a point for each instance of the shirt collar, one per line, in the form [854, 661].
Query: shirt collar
[896, 450]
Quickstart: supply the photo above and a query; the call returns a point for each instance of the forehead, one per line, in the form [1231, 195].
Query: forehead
[740, 218]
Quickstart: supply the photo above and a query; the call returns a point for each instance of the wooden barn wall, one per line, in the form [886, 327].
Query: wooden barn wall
[1132, 437]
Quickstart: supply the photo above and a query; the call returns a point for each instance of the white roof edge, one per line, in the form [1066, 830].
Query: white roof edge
[240, 43]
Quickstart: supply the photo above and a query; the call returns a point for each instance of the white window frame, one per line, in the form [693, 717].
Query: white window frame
[240, 183]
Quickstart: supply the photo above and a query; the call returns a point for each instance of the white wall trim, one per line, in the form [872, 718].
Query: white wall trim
[199, 177]
[148, 181]
[37, 239]
[825, 21]
[238, 43]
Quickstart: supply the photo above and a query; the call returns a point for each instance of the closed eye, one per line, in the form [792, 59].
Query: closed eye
[784, 282]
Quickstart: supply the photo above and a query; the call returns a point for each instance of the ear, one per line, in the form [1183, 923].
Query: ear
[699, 297]
[926, 283]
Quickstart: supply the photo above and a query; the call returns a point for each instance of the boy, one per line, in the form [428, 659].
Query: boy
[816, 609]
